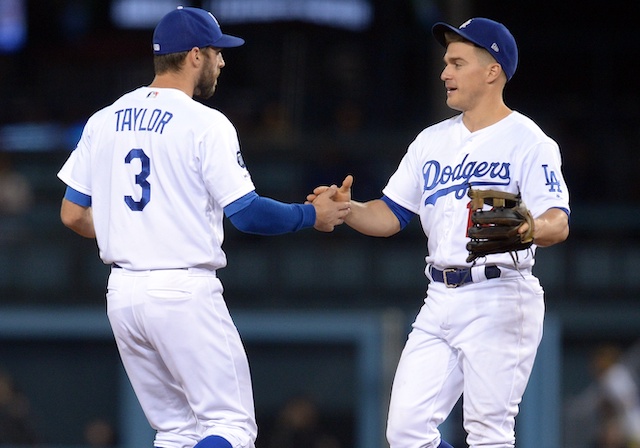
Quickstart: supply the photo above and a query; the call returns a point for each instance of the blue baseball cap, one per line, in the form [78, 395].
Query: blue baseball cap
[185, 28]
[488, 34]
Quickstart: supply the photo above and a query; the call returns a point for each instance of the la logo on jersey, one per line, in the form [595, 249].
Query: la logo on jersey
[552, 179]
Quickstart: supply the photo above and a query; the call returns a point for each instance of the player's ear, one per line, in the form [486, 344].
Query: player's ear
[195, 56]
[494, 71]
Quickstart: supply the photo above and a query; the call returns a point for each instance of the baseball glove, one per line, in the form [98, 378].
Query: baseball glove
[495, 231]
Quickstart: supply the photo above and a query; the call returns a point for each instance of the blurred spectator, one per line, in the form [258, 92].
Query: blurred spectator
[15, 424]
[275, 123]
[99, 434]
[16, 195]
[299, 426]
[607, 413]
[620, 403]
[349, 117]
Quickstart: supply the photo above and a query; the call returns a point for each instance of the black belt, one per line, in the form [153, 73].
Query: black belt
[454, 277]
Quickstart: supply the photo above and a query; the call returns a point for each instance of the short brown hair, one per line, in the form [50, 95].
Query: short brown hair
[450, 36]
[171, 62]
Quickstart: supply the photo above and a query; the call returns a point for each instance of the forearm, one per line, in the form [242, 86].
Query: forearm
[551, 227]
[77, 218]
[372, 218]
[265, 216]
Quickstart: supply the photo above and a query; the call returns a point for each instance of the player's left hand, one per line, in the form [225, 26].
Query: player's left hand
[506, 228]
[342, 195]
[329, 212]
[523, 229]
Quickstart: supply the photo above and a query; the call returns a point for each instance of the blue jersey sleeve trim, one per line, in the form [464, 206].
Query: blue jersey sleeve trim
[403, 215]
[83, 200]
[240, 204]
[263, 216]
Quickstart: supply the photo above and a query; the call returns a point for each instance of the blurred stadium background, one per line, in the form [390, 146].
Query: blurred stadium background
[321, 89]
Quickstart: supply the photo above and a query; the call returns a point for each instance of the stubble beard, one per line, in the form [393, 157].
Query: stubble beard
[207, 82]
[205, 88]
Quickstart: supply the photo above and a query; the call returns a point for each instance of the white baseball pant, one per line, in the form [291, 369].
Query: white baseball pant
[183, 355]
[478, 340]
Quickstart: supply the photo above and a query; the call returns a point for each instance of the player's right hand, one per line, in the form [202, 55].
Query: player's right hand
[343, 194]
[329, 211]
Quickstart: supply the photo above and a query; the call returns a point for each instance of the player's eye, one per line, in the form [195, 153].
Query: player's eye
[456, 63]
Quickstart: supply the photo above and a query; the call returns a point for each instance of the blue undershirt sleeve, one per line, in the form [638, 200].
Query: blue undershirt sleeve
[403, 215]
[81, 199]
[263, 216]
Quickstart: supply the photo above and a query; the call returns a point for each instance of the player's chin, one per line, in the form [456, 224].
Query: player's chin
[205, 94]
[453, 104]
[212, 89]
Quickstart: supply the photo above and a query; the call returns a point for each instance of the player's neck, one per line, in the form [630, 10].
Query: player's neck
[482, 117]
[172, 81]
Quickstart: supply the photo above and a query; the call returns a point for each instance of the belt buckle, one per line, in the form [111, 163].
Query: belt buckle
[445, 279]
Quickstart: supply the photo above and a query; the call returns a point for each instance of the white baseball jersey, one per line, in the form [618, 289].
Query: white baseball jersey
[433, 177]
[144, 189]
[479, 339]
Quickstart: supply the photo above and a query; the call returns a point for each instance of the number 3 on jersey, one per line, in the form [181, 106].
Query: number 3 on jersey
[141, 179]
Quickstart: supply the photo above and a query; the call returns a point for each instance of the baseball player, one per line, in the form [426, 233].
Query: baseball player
[479, 328]
[150, 179]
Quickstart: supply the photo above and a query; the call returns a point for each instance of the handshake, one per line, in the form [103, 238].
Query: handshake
[332, 204]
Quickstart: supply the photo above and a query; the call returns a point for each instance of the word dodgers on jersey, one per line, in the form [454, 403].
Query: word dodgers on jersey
[134, 119]
[435, 175]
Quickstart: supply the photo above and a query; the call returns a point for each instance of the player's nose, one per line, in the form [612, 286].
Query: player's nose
[444, 74]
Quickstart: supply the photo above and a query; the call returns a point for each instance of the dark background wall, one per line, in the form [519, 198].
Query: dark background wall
[313, 102]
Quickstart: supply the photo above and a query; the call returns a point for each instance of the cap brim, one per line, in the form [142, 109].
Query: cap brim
[440, 28]
[227, 41]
